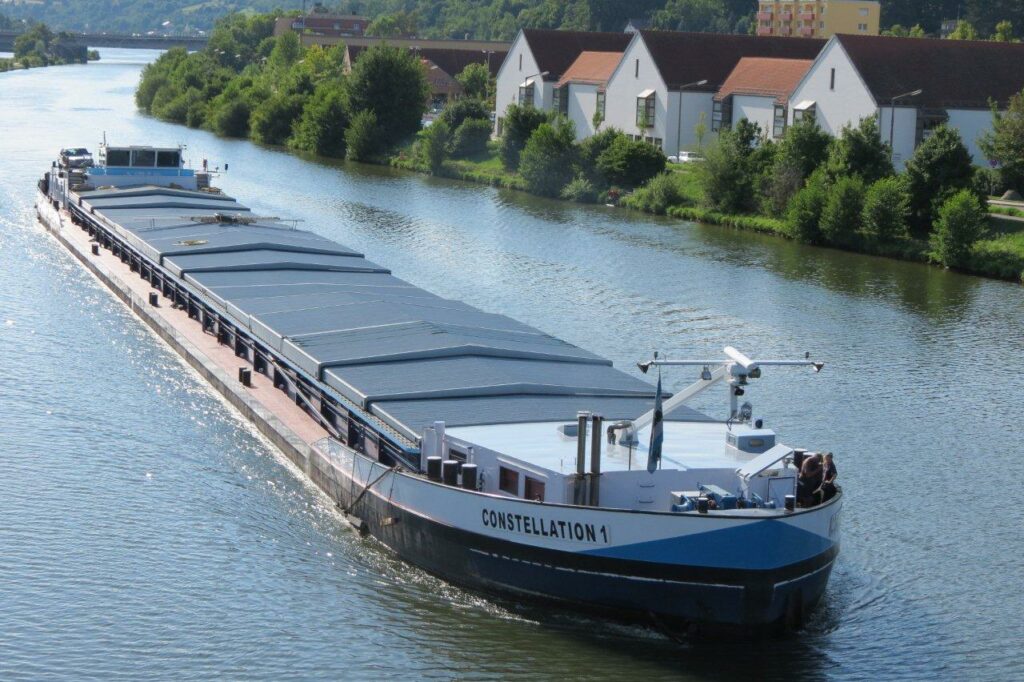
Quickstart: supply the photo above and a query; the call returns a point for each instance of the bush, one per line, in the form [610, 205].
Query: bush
[726, 179]
[886, 209]
[988, 182]
[272, 119]
[547, 163]
[391, 83]
[470, 139]
[1004, 143]
[361, 138]
[779, 186]
[591, 148]
[840, 217]
[803, 217]
[433, 145]
[581, 190]
[630, 163]
[459, 110]
[859, 151]
[962, 221]
[518, 125]
[804, 147]
[658, 195]
[940, 166]
[231, 119]
[321, 127]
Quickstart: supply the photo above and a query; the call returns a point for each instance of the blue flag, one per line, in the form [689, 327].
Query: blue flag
[657, 435]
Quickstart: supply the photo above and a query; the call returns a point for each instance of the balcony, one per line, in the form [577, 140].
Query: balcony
[764, 16]
[806, 16]
[786, 30]
[806, 31]
[764, 30]
[786, 16]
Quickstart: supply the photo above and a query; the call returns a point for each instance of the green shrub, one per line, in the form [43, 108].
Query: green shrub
[779, 186]
[591, 148]
[886, 209]
[271, 121]
[459, 110]
[361, 138]
[1004, 142]
[471, 137]
[321, 127]
[840, 217]
[658, 195]
[630, 163]
[517, 127]
[391, 83]
[433, 145]
[803, 217]
[988, 182]
[859, 151]
[940, 166]
[231, 119]
[581, 190]
[170, 105]
[726, 179]
[962, 222]
[548, 160]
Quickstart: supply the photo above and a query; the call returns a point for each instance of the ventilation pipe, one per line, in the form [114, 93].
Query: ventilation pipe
[581, 457]
[595, 460]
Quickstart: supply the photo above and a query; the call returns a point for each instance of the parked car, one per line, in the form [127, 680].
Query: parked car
[686, 157]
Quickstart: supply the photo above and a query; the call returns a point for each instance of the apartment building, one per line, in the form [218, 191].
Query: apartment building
[818, 18]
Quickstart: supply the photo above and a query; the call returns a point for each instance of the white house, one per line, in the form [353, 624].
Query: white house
[537, 61]
[665, 84]
[580, 93]
[911, 85]
[759, 90]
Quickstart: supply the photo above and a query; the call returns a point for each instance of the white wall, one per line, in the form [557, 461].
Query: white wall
[625, 85]
[518, 65]
[759, 110]
[582, 104]
[847, 103]
[972, 124]
[694, 104]
[904, 132]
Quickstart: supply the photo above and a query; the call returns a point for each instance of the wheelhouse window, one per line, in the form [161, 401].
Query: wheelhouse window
[526, 95]
[170, 159]
[118, 157]
[456, 455]
[721, 115]
[143, 158]
[645, 110]
[508, 481]
[779, 123]
[534, 489]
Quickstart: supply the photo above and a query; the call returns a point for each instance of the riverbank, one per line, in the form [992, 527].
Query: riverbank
[1000, 255]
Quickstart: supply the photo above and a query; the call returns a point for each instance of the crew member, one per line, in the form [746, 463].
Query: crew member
[829, 474]
[808, 485]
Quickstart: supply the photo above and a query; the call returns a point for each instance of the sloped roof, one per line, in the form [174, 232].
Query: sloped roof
[555, 51]
[451, 61]
[765, 77]
[952, 73]
[593, 68]
[684, 58]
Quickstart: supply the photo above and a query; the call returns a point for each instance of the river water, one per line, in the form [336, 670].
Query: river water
[147, 532]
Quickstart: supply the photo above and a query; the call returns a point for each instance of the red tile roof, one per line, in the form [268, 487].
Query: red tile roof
[765, 77]
[684, 58]
[555, 51]
[952, 73]
[593, 68]
[451, 61]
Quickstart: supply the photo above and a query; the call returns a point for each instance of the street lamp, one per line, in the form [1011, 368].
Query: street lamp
[892, 114]
[679, 113]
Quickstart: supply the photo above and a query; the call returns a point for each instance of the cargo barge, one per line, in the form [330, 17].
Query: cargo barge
[477, 448]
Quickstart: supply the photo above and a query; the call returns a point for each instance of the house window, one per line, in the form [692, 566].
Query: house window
[927, 121]
[560, 100]
[863, 11]
[721, 115]
[600, 104]
[821, 24]
[636, 69]
[806, 114]
[645, 111]
[520, 62]
[832, 80]
[779, 123]
[508, 481]
[862, 27]
[534, 489]
[526, 95]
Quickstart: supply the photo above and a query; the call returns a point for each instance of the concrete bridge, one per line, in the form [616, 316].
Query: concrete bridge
[129, 40]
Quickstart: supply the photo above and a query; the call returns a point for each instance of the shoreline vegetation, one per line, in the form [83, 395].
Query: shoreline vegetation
[841, 192]
[39, 46]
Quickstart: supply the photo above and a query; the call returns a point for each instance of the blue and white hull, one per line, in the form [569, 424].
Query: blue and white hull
[740, 569]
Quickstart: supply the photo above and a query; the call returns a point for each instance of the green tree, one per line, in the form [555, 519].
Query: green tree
[548, 161]
[940, 166]
[458, 110]
[591, 148]
[391, 83]
[1004, 33]
[962, 222]
[231, 119]
[630, 163]
[396, 25]
[859, 150]
[803, 218]
[805, 146]
[700, 131]
[703, 16]
[363, 137]
[886, 210]
[841, 215]
[470, 139]
[1004, 143]
[964, 31]
[321, 127]
[433, 145]
[475, 80]
[726, 175]
[520, 122]
[271, 121]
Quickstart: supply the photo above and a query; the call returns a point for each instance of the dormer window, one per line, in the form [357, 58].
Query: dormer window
[645, 109]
